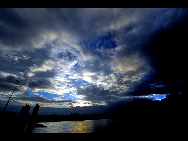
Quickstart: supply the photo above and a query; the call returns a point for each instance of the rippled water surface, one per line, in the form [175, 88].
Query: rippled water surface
[87, 126]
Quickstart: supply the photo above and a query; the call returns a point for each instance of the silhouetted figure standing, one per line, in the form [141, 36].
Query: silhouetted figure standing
[33, 119]
[25, 110]
[22, 119]
[35, 110]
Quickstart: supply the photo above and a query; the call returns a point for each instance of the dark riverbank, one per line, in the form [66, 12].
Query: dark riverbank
[164, 116]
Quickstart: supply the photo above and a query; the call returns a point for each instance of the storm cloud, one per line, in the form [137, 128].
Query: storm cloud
[92, 55]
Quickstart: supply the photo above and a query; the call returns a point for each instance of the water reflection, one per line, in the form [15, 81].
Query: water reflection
[87, 126]
[82, 126]
[65, 127]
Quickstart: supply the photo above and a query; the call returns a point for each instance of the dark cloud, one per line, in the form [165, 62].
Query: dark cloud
[166, 53]
[113, 52]
[39, 99]
[161, 46]
[28, 28]
[40, 84]
[8, 83]
[11, 79]
[96, 94]
[24, 60]
[47, 74]
[11, 28]
[97, 66]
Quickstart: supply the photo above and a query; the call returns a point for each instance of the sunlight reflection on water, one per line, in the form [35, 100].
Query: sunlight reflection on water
[87, 126]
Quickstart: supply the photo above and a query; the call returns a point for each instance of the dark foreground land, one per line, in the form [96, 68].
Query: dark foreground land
[141, 117]
[133, 123]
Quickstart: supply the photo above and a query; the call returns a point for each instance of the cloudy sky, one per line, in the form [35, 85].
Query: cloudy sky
[65, 58]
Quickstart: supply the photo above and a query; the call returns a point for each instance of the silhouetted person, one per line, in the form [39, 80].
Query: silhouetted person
[25, 110]
[22, 119]
[35, 110]
[33, 119]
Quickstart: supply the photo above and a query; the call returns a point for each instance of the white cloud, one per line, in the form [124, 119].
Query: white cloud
[125, 64]
[123, 17]
[43, 67]
[45, 37]
[133, 78]
[27, 74]
[49, 64]
[4, 74]
[63, 32]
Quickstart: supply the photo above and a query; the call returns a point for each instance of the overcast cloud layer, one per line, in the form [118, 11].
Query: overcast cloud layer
[87, 57]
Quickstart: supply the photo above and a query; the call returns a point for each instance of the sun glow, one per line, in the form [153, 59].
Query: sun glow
[82, 104]
[87, 103]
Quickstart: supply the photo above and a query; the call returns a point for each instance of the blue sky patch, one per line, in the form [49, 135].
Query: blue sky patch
[44, 94]
[154, 97]
[105, 41]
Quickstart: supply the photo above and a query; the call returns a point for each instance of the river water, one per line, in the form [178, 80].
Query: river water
[86, 126]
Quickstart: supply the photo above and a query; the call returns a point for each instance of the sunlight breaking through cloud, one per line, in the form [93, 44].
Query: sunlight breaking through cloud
[86, 56]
